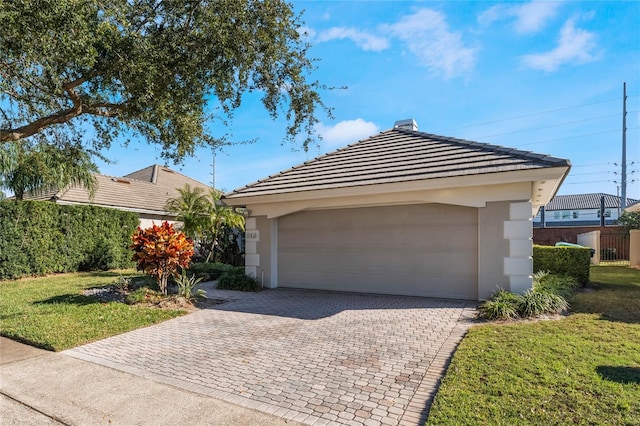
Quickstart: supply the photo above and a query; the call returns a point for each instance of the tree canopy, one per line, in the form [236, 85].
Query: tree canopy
[163, 70]
[45, 167]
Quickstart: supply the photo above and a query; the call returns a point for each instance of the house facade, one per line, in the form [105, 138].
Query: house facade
[580, 210]
[145, 192]
[402, 212]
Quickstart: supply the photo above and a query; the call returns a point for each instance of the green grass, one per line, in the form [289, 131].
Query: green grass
[583, 369]
[51, 313]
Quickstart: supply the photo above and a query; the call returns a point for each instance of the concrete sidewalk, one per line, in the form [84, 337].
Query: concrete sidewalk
[38, 387]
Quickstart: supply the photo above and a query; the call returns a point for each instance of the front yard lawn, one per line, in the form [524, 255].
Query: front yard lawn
[51, 312]
[582, 369]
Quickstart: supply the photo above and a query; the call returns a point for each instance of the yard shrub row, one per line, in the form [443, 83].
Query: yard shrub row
[41, 237]
[571, 261]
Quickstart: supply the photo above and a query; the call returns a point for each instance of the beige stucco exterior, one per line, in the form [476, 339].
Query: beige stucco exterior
[421, 249]
[455, 237]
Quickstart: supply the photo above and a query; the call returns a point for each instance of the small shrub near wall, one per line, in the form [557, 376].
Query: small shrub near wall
[41, 237]
[570, 261]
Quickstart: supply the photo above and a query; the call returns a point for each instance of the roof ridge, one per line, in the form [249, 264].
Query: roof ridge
[498, 148]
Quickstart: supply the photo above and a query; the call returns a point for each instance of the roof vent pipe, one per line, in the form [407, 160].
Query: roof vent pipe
[408, 124]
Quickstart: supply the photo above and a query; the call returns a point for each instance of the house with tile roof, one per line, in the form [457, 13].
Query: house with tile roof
[580, 210]
[401, 212]
[145, 191]
[635, 207]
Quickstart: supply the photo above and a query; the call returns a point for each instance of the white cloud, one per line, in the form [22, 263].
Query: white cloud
[306, 32]
[347, 131]
[494, 13]
[529, 17]
[365, 40]
[532, 17]
[574, 46]
[428, 36]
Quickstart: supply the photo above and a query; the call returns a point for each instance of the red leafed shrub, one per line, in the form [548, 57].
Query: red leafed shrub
[160, 250]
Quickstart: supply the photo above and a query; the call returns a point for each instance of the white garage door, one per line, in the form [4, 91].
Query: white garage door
[418, 250]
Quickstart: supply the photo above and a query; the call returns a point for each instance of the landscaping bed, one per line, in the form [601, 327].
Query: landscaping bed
[580, 369]
[53, 312]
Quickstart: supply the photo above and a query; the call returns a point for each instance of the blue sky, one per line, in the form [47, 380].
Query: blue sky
[539, 76]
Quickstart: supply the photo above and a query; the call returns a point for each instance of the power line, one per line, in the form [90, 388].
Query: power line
[589, 165]
[590, 173]
[580, 183]
[549, 126]
[570, 137]
[537, 113]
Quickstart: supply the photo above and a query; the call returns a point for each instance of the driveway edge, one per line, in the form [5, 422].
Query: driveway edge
[418, 408]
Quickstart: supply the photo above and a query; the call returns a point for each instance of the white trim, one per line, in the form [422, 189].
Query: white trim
[274, 254]
[547, 177]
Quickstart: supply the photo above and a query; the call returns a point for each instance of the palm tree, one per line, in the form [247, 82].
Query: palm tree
[221, 221]
[44, 167]
[191, 208]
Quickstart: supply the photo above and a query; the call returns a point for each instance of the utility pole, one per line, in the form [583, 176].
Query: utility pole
[623, 183]
[213, 171]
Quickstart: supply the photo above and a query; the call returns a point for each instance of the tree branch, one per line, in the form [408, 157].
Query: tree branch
[103, 109]
[36, 126]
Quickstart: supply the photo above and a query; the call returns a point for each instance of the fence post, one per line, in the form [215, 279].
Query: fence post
[634, 248]
[591, 240]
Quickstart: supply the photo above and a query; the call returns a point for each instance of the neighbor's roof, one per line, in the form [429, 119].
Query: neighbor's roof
[398, 155]
[584, 201]
[146, 190]
[633, 207]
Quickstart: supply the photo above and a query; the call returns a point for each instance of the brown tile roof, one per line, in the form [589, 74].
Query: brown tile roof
[398, 155]
[145, 190]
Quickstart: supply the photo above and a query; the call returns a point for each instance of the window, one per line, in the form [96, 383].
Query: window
[607, 213]
[575, 214]
[566, 214]
[556, 215]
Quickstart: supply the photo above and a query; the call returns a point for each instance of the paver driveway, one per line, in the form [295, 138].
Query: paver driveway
[313, 357]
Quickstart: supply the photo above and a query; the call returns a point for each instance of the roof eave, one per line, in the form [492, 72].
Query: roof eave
[533, 175]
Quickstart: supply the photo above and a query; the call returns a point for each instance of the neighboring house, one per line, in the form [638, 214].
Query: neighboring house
[145, 192]
[635, 207]
[580, 210]
[402, 212]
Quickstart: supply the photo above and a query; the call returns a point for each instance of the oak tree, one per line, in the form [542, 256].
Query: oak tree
[163, 70]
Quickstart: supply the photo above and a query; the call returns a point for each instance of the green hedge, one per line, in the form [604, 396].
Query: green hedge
[570, 261]
[41, 237]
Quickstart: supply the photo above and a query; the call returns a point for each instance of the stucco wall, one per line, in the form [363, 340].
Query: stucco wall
[147, 221]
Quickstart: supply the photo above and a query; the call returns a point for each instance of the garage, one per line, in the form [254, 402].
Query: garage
[417, 250]
[402, 212]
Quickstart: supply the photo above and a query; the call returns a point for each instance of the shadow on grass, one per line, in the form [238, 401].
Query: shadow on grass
[68, 299]
[624, 375]
[104, 273]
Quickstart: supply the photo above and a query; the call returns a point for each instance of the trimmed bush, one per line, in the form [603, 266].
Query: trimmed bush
[41, 237]
[568, 261]
[235, 279]
[208, 271]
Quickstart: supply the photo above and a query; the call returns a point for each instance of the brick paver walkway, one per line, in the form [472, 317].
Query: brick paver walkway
[318, 358]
